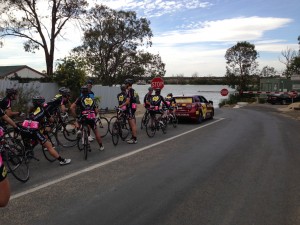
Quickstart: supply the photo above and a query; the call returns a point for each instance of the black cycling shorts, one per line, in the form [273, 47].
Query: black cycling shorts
[130, 114]
[90, 122]
[33, 134]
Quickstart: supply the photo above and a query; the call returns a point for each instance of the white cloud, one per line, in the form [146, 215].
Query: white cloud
[235, 29]
[150, 8]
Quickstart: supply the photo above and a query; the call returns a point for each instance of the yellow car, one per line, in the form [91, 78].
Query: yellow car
[194, 107]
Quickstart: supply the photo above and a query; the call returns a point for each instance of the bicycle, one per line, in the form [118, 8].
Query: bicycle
[171, 117]
[120, 128]
[13, 153]
[145, 119]
[82, 140]
[103, 123]
[62, 124]
[156, 123]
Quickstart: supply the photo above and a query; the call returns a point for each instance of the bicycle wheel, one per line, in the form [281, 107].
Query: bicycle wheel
[124, 130]
[115, 133]
[111, 123]
[85, 142]
[53, 141]
[174, 121]
[16, 162]
[64, 132]
[69, 130]
[150, 129]
[143, 121]
[103, 124]
[164, 124]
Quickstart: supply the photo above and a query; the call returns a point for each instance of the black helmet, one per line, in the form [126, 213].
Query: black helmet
[38, 100]
[157, 90]
[129, 81]
[150, 89]
[11, 91]
[64, 91]
[123, 87]
[84, 89]
[170, 94]
[89, 82]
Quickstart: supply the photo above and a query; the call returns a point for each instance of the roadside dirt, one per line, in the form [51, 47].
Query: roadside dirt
[292, 110]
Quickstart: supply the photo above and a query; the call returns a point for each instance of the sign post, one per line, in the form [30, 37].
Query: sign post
[157, 82]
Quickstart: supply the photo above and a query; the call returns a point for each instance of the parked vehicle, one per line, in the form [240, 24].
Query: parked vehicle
[282, 99]
[194, 107]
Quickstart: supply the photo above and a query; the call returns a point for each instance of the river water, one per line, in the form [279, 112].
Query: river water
[210, 92]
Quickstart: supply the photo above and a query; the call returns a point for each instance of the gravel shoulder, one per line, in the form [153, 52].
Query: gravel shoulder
[292, 110]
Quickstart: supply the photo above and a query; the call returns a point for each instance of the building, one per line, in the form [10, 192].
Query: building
[280, 84]
[21, 71]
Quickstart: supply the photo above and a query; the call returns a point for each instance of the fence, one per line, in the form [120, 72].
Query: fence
[107, 95]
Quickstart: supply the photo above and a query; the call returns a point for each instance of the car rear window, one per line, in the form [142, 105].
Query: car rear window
[184, 100]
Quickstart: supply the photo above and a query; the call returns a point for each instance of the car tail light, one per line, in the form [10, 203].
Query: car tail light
[191, 106]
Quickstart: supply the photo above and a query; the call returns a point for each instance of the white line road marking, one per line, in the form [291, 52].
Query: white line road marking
[106, 162]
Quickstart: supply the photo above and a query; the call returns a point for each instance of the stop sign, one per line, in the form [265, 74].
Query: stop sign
[157, 82]
[224, 92]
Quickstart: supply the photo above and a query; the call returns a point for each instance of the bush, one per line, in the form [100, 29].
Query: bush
[234, 99]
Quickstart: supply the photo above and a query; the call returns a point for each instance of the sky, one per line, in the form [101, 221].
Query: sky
[192, 36]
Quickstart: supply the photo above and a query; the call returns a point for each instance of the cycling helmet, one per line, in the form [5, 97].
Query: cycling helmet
[129, 81]
[84, 89]
[61, 90]
[38, 100]
[150, 89]
[89, 82]
[170, 94]
[65, 92]
[123, 87]
[11, 91]
[157, 91]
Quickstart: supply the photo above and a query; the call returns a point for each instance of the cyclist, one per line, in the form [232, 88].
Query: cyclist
[131, 108]
[38, 114]
[147, 99]
[171, 101]
[59, 101]
[155, 104]
[4, 183]
[122, 97]
[86, 104]
[5, 103]
[89, 85]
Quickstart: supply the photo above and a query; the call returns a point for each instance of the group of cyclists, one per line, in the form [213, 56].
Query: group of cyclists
[157, 104]
[42, 112]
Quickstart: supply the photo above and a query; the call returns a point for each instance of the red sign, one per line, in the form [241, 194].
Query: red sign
[224, 92]
[293, 94]
[157, 82]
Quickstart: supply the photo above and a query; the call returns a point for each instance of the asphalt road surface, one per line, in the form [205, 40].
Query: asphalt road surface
[241, 168]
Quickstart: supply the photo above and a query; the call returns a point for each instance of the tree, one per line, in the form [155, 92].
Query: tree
[286, 58]
[28, 20]
[241, 64]
[268, 71]
[294, 67]
[71, 73]
[110, 45]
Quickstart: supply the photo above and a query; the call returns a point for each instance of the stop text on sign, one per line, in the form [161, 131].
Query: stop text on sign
[157, 82]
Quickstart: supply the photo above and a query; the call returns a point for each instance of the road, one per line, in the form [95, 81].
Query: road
[242, 167]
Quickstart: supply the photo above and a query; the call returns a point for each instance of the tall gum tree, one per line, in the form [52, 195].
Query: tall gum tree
[112, 45]
[39, 23]
[241, 64]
